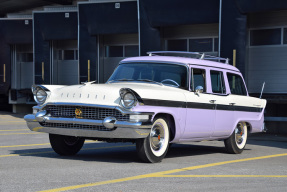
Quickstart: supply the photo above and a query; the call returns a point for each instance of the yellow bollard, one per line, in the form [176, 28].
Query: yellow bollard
[89, 71]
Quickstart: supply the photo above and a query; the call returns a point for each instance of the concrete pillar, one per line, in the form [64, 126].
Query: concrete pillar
[233, 34]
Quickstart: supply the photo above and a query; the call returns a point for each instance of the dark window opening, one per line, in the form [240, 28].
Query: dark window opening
[177, 45]
[201, 45]
[114, 51]
[68, 54]
[131, 50]
[265, 37]
[25, 57]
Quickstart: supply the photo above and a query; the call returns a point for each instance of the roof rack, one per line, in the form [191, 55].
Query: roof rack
[188, 54]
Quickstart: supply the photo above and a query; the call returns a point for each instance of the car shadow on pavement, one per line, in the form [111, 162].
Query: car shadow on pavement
[118, 153]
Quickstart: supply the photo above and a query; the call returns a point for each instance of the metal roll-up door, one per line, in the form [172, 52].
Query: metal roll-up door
[22, 66]
[267, 52]
[65, 62]
[113, 49]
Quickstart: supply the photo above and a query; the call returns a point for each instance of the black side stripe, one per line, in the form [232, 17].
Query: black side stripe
[164, 103]
[193, 105]
[200, 105]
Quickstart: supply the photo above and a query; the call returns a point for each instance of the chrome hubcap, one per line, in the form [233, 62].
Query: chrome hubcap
[157, 137]
[239, 134]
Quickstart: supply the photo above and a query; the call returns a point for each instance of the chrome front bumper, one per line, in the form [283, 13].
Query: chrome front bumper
[121, 129]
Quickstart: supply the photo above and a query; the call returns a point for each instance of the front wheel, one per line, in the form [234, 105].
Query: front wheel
[235, 144]
[66, 145]
[153, 148]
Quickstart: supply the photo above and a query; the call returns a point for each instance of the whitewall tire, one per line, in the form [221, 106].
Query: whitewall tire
[236, 142]
[154, 147]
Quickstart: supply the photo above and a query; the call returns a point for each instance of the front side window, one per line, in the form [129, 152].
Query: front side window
[217, 82]
[197, 79]
[236, 84]
[167, 74]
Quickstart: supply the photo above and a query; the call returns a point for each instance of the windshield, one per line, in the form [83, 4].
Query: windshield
[167, 74]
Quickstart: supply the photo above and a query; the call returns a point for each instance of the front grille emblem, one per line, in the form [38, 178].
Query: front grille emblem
[78, 113]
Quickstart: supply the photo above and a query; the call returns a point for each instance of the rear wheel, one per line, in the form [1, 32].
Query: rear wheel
[153, 148]
[236, 142]
[66, 145]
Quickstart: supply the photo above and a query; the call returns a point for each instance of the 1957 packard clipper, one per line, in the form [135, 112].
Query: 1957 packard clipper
[152, 101]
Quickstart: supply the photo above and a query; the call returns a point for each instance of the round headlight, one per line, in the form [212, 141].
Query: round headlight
[40, 96]
[128, 100]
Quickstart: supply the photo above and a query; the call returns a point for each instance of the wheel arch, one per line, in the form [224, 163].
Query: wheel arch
[249, 127]
[171, 122]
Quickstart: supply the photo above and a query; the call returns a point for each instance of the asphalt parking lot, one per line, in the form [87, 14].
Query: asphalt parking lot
[27, 163]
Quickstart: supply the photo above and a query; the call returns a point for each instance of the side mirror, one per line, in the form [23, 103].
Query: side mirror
[198, 89]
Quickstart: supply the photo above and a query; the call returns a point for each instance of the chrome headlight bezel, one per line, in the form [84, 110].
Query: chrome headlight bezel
[128, 98]
[40, 94]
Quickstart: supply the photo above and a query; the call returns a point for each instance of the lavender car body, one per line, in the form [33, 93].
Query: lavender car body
[153, 101]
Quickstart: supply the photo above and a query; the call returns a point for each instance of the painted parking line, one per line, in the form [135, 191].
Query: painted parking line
[29, 145]
[15, 130]
[12, 122]
[160, 174]
[225, 176]
[47, 152]
[24, 145]
[19, 133]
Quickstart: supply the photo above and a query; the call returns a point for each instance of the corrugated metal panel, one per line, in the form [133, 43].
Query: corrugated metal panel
[267, 64]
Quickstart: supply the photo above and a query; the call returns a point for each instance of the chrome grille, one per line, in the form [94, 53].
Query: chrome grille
[87, 112]
[76, 126]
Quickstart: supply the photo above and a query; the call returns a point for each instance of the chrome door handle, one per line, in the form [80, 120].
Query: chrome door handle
[212, 101]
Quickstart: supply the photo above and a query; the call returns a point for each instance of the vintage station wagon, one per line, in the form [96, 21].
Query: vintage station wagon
[163, 98]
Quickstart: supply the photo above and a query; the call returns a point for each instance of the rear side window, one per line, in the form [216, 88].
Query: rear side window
[217, 82]
[236, 84]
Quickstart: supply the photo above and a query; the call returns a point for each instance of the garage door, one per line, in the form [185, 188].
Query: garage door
[22, 66]
[267, 52]
[113, 49]
[65, 62]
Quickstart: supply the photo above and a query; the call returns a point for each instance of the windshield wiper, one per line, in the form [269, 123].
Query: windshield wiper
[150, 81]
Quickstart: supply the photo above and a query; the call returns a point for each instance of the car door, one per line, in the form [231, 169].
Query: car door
[200, 116]
[224, 102]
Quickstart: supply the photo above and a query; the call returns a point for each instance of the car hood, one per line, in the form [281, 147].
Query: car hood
[108, 94]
